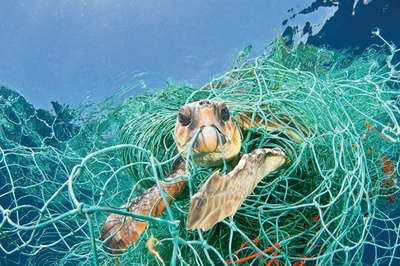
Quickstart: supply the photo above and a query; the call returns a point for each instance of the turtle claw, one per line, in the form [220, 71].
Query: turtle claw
[221, 196]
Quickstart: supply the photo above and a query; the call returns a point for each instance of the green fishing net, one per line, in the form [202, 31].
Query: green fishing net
[63, 173]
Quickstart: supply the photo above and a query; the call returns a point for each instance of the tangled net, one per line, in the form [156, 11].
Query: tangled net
[62, 174]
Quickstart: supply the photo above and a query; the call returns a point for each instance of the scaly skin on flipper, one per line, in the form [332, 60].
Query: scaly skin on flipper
[221, 196]
[120, 231]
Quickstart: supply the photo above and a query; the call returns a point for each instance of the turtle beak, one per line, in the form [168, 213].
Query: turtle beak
[209, 140]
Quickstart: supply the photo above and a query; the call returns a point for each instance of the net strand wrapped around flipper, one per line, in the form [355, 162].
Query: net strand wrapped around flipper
[332, 204]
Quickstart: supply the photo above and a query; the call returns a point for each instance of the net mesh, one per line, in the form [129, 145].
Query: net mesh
[63, 173]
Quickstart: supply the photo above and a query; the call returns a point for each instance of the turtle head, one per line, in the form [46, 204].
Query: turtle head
[208, 125]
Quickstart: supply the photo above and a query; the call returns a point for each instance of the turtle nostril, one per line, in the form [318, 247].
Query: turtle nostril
[204, 102]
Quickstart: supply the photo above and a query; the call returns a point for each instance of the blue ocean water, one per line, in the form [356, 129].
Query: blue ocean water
[53, 52]
[62, 51]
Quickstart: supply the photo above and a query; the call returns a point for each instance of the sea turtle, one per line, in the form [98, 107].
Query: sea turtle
[206, 132]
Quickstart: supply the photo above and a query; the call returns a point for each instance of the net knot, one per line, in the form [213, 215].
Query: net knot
[83, 208]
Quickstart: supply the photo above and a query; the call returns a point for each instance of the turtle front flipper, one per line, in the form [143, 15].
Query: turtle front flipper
[119, 231]
[221, 196]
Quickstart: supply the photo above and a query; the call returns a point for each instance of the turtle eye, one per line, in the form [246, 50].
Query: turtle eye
[184, 116]
[225, 114]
